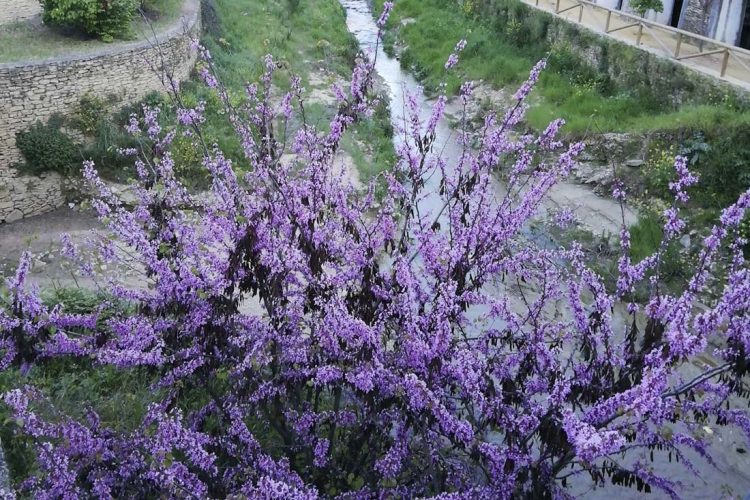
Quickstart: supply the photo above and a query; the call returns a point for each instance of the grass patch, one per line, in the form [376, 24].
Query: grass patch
[303, 37]
[31, 40]
[376, 135]
[240, 33]
[645, 239]
[503, 45]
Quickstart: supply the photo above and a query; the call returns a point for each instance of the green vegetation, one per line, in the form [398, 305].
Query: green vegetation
[72, 387]
[628, 91]
[640, 7]
[721, 157]
[645, 239]
[619, 89]
[45, 147]
[105, 133]
[371, 143]
[119, 397]
[311, 36]
[305, 38]
[106, 20]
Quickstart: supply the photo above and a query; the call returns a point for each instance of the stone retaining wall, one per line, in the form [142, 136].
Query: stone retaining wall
[31, 91]
[634, 68]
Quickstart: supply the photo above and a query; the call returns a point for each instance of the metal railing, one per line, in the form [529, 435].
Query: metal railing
[674, 43]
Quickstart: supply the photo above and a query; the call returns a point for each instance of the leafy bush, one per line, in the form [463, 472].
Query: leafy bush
[641, 7]
[106, 133]
[646, 238]
[292, 6]
[724, 168]
[106, 19]
[45, 147]
[89, 113]
[659, 170]
[188, 156]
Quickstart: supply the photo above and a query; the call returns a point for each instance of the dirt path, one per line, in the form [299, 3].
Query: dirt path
[41, 236]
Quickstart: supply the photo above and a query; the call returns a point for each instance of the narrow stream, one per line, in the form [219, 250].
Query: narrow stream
[731, 477]
[400, 84]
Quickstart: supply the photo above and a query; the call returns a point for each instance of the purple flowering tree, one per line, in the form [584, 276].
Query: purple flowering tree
[307, 340]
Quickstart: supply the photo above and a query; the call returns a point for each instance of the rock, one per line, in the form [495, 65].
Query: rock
[14, 216]
[124, 193]
[685, 242]
[585, 156]
[321, 83]
[597, 175]
[615, 146]
[4, 476]
[634, 163]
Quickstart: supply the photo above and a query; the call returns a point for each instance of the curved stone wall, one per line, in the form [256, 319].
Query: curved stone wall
[34, 90]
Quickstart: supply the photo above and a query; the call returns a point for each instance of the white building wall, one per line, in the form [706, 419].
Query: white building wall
[664, 16]
[610, 4]
[730, 22]
[659, 17]
[727, 29]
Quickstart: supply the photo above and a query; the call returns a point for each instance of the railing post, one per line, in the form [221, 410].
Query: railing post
[640, 34]
[580, 13]
[677, 47]
[557, 7]
[609, 18]
[724, 63]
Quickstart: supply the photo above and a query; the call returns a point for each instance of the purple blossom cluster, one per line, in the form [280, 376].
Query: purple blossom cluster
[306, 340]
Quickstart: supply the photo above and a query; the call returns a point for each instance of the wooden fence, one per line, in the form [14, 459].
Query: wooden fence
[711, 56]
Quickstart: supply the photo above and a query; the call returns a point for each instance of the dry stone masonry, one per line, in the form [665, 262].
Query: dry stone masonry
[35, 90]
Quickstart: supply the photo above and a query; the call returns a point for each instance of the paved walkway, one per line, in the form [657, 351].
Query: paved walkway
[13, 11]
[660, 40]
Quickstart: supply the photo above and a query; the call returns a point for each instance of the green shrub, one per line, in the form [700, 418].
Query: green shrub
[645, 239]
[91, 110]
[745, 230]
[108, 135]
[724, 169]
[292, 6]
[45, 147]
[187, 153]
[640, 7]
[106, 19]
[659, 170]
